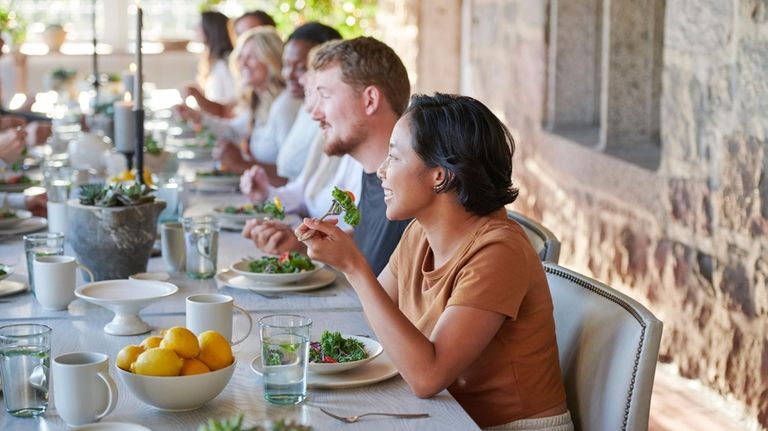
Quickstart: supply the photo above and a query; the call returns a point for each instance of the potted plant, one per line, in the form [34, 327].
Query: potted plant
[112, 228]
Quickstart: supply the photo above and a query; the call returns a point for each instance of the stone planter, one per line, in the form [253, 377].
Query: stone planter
[113, 242]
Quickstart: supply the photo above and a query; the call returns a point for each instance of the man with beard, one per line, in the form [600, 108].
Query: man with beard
[362, 89]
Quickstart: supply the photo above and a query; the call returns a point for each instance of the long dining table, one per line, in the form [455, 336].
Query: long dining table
[334, 307]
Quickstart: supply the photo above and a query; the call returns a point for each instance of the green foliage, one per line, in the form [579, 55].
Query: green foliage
[352, 18]
[117, 195]
[236, 424]
[63, 73]
[12, 27]
[151, 146]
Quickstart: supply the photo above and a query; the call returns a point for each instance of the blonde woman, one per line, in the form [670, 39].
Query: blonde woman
[269, 110]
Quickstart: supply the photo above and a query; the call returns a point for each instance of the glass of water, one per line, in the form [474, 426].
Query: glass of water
[25, 355]
[284, 355]
[41, 244]
[201, 239]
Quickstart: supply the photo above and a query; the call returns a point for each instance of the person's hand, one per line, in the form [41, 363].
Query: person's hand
[38, 132]
[12, 142]
[188, 114]
[11, 122]
[229, 155]
[190, 90]
[331, 245]
[272, 236]
[254, 183]
[37, 204]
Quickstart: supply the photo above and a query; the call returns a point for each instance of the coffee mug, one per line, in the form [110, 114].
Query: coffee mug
[78, 392]
[172, 246]
[214, 312]
[55, 280]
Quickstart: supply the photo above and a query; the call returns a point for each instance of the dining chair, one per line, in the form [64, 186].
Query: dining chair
[608, 345]
[544, 241]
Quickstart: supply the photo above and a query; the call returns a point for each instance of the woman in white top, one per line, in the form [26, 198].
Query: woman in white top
[213, 72]
[270, 111]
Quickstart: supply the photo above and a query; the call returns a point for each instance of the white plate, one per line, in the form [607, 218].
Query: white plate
[31, 224]
[10, 287]
[8, 223]
[111, 426]
[242, 268]
[230, 181]
[15, 188]
[372, 347]
[233, 221]
[320, 279]
[378, 370]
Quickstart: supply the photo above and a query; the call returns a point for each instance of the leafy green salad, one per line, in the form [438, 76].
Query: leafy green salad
[333, 348]
[346, 199]
[236, 424]
[7, 214]
[272, 209]
[286, 263]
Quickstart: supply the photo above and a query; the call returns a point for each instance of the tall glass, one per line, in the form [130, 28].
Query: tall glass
[25, 352]
[284, 355]
[169, 189]
[41, 244]
[201, 239]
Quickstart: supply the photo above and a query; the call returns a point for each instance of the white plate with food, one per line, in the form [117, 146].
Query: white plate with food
[264, 277]
[16, 183]
[216, 178]
[320, 279]
[10, 217]
[31, 224]
[378, 370]
[322, 362]
[12, 286]
[5, 271]
[111, 426]
[242, 213]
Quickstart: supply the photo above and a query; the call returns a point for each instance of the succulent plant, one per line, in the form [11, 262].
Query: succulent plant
[117, 195]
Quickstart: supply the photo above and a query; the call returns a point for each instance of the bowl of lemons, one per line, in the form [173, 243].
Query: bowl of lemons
[177, 371]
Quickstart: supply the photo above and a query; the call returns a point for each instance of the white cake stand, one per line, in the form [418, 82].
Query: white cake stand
[125, 298]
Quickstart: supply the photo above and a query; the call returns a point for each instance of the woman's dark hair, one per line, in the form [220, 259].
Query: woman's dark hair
[260, 16]
[216, 34]
[474, 149]
[314, 33]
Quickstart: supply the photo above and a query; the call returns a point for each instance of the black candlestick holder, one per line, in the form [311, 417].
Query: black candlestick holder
[139, 129]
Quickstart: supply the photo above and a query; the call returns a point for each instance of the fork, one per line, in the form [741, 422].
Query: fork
[355, 418]
[335, 209]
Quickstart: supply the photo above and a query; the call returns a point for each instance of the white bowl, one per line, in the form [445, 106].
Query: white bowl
[373, 348]
[180, 393]
[125, 298]
[21, 215]
[242, 268]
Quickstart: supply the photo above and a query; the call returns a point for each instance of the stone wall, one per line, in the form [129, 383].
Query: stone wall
[689, 239]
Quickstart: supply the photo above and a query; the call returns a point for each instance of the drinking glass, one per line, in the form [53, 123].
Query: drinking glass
[284, 355]
[41, 244]
[201, 237]
[169, 189]
[25, 351]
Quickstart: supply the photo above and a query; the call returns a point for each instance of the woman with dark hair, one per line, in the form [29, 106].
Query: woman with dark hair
[214, 76]
[464, 302]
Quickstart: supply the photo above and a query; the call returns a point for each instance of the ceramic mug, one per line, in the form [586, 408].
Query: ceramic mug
[172, 246]
[214, 312]
[83, 390]
[55, 280]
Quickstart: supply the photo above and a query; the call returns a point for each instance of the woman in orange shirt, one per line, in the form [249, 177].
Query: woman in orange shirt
[464, 302]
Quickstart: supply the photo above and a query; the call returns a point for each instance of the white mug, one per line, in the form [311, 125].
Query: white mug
[172, 246]
[55, 280]
[78, 392]
[57, 217]
[214, 312]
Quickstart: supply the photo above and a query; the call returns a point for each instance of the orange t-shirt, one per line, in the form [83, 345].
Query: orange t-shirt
[496, 269]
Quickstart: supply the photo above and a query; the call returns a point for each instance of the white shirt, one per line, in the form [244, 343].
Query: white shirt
[296, 147]
[220, 85]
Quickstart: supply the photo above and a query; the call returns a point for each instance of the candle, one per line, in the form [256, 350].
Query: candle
[124, 133]
[128, 80]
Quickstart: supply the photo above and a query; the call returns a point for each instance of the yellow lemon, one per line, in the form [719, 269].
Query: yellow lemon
[128, 355]
[182, 341]
[150, 342]
[215, 350]
[157, 362]
[194, 366]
